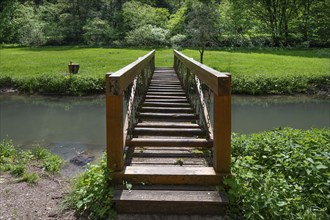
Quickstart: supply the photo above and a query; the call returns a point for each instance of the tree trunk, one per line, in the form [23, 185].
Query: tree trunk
[201, 53]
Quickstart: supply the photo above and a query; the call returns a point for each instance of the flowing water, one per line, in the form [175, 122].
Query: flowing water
[71, 125]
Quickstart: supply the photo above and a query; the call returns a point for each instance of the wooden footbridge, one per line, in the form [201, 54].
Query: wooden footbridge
[168, 136]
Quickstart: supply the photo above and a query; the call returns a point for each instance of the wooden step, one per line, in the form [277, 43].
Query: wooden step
[165, 109]
[174, 101]
[164, 96]
[166, 90]
[168, 132]
[167, 125]
[170, 152]
[166, 93]
[167, 175]
[167, 116]
[167, 161]
[170, 200]
[162, 86]
[165, 104]
[175, 142]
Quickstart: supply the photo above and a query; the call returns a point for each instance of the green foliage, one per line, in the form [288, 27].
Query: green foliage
[98, 32]
[254, 71]
[147, 35]
[18, 170]
[91, 192]
[60, 84]
[17, 162]
[137, 14]
[281, 174]
[31, 178]
[30, 31]
[176, 23]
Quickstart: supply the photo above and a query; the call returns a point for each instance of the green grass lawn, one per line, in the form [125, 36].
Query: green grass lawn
[267, 71]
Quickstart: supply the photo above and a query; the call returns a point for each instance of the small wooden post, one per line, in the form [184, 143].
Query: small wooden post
[222, 131]
[114, 126]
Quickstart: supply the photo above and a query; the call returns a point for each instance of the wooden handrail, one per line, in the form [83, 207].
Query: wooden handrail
[220, 84]
[116, 126]
[121, 79]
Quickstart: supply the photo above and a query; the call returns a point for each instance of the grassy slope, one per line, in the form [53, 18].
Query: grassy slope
[18, 62]
[253, 70]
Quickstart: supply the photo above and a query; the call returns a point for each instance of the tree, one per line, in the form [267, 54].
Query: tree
[202, 25]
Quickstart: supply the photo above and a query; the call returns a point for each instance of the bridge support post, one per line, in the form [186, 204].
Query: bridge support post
[222, 131]
[114, 129]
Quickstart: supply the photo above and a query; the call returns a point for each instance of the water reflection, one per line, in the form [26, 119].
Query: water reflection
[71, 125]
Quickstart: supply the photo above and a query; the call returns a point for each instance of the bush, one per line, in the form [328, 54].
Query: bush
[91, 193]
[98, 32]
[281, 174]
[147, 35]
[60, 84]
[178, 40]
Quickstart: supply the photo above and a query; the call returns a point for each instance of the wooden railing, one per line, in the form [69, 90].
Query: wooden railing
[116, 119]
[220, 85]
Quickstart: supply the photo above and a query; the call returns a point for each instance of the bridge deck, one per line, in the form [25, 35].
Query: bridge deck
[168, 160]
[167, 133]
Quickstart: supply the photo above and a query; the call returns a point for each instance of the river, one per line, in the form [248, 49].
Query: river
[70, 125]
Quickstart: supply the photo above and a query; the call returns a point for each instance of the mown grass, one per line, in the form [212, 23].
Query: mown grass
[44, 70]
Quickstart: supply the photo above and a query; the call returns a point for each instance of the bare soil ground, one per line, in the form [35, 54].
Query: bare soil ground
[23, 201]
[20, 200]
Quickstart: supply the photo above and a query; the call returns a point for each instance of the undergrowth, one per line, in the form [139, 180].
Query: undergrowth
[17, 162]
[281, 174]
[91, 193]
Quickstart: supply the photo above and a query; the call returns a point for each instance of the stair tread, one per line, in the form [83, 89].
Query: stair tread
[167, 124]
[170, 196]
[170, 171]
[166, 142]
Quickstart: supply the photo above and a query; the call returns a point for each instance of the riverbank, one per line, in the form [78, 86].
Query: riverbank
[279, 174]
[254, 71]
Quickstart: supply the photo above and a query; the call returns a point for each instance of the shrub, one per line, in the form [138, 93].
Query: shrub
[178, 40]
[147, 35]
[98, 32]
[281, 174]
[91, 193]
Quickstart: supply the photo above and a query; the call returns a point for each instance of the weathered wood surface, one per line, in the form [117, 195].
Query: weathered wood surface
[120, 80]
[170, 200]
[179, 175]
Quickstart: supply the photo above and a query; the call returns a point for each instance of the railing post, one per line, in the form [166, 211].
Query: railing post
[114, 126]
[222, 131]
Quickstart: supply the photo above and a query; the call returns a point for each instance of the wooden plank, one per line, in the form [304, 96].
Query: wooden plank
[222, 134]
[165, 104]
[171, 202]
[166, 109]
[120, 80]
[166, 93]
[115, 135]
[168, 131]
[168, 161]
[169, 142]
[167, 124]
[177, 101]
[170, 195]
[168, 175]
[164, 96]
